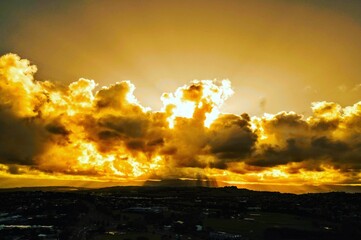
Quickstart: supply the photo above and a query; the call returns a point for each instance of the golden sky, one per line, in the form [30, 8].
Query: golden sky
[237, 92]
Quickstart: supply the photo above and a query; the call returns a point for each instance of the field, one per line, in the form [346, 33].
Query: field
[254, 224]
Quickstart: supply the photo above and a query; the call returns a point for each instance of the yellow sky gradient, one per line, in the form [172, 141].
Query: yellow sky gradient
[279, 55]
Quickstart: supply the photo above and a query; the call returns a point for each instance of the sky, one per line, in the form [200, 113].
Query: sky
[237, 92]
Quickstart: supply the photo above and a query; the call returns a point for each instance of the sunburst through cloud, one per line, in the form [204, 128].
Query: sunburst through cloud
[76, 132]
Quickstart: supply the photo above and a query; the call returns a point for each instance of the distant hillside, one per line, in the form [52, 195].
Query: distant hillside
[44, 189]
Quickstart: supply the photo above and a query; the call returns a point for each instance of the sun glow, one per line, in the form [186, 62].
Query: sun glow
[204, 97]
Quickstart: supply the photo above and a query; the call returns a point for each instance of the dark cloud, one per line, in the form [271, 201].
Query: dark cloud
[20, 139]
[56, 129]
[106, 135]
[231, 137]
[125, 126]
[263, 103]
[13, 169]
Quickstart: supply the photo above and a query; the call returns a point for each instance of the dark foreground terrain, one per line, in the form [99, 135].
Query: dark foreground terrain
[142, 213]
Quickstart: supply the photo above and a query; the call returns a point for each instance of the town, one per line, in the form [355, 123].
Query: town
[166, 213]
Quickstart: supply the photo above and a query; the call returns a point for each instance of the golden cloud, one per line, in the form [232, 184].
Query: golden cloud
[52, 130]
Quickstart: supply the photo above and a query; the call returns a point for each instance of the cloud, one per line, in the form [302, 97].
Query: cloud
[75, 131]
[231, 137]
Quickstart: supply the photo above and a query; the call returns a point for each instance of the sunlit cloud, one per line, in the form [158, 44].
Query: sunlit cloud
[51, 131]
